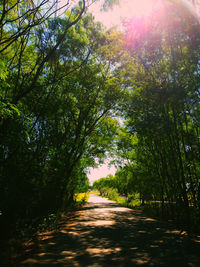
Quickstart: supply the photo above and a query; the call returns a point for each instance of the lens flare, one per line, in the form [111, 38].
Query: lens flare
[138, 9]
[170, 15]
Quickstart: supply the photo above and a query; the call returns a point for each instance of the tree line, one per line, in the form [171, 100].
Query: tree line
[158, 148]
[56, 95]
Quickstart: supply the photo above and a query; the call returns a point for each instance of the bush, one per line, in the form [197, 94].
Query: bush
[110, 193]
[81, 198]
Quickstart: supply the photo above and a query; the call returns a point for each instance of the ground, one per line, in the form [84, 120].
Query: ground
[103, 233]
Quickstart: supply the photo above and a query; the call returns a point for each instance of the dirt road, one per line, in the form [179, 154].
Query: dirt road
[106, 234]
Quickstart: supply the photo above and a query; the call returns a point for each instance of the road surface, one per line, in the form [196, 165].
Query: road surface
[105, 234]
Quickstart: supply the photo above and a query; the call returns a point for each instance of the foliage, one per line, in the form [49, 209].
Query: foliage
[56, 98]
[161, 112]
[65, 79]
[110, 193]
[157, 149]
[81, 198]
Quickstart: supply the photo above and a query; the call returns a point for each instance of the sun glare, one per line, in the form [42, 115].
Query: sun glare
[141, 8]
[136, 9]
[126, 9]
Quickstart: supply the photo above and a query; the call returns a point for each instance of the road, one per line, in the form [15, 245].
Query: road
[103, 233]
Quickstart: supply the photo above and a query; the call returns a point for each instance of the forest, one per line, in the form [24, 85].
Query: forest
[65, 82]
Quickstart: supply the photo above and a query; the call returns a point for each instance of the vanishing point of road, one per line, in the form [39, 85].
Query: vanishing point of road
[103, 233]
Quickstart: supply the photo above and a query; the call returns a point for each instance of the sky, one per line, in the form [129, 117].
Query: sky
[102, 171]
[126, 8]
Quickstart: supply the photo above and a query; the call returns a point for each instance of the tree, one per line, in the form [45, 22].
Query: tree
[53, 132]
[162, 94]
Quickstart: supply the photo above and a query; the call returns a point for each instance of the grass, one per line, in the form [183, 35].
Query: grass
[134, 203]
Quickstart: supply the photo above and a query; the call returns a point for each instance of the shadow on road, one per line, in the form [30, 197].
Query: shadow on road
[105, 234]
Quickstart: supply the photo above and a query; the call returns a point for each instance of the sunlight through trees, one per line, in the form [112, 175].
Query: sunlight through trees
[64, 81]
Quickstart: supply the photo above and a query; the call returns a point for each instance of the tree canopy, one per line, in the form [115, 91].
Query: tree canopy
[64, 81]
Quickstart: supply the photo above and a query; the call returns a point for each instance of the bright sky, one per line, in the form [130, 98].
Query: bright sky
[126, 8]
[134, 8]
[102, 171]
